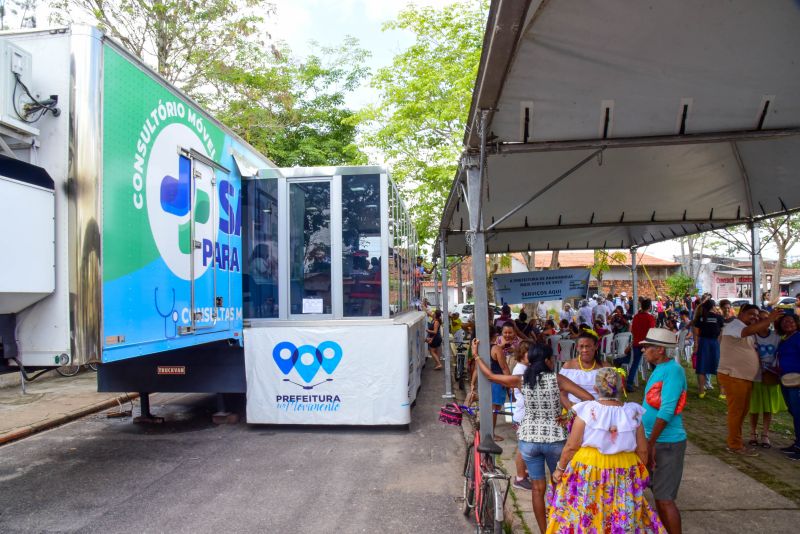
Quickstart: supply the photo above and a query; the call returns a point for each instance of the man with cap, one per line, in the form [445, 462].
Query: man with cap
[664, 400]
[566, 313]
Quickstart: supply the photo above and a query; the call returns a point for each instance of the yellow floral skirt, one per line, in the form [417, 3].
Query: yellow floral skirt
[602, 493]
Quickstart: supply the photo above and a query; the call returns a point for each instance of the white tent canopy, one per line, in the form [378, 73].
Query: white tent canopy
[632, 122]
[619, 123]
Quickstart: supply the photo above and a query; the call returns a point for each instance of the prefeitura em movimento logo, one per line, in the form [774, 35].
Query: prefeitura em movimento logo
[307, 360]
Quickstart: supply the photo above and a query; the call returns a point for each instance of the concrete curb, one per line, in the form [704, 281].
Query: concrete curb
[25, 431]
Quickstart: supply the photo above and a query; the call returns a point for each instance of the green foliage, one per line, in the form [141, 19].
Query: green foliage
[603, 260]
[679, 284]
[186, 41]
[313, 127]
[290, 109]
[425, 96]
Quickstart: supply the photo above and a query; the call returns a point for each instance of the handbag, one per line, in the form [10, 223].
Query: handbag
[450, 414]
[791, 380]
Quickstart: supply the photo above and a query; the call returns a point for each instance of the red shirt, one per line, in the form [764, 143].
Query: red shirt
[642, 322]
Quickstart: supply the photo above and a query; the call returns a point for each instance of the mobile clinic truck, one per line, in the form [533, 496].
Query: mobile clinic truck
[133, 242]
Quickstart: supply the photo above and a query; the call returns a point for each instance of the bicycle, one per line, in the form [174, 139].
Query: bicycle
[461, 363]
[484, 491]
[72, 370]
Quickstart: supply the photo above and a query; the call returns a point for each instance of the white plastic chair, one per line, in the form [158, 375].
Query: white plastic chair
[607, 346]
[566, 351]
[621, 343]
[684, 346]
[553, 340]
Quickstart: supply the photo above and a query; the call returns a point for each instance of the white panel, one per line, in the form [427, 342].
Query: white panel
[51, 75]
[363, 388]
[26, 212]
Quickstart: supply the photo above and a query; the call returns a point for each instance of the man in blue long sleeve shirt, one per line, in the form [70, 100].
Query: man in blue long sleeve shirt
[664, 399]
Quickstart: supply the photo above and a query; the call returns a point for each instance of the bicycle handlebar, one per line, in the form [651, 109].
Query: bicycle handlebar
[474, 411]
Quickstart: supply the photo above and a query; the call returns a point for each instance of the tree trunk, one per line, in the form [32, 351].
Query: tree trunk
[530, 264]
[490, 271]
[554, 260]
[684, 266]
[777, 271]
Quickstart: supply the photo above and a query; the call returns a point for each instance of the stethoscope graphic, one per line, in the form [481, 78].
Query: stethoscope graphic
[312, 386]
[171, 313]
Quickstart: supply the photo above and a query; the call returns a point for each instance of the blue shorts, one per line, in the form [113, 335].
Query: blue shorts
[498, 394]
[536, 454]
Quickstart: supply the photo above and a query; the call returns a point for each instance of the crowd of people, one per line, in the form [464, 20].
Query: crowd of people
[601, 451]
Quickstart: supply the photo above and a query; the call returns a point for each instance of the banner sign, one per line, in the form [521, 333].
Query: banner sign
[320, 375]
[519, 288]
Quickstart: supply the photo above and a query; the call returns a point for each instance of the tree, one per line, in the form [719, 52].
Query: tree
[679, 284]
[312, 126]
[602, 263]
[425, 95]
[695, 245]
[291, 110]
[782, 231]
[185, 41]
[785, 232]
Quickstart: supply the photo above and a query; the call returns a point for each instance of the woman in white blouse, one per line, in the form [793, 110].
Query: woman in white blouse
[584, 367]
[540, 435]
[601, 475]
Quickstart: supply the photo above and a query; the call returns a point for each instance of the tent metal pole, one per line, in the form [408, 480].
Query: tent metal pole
[756, 267]
[448, 386]
[476, 173]
[459, 283]
[635, 282]
[546, 188]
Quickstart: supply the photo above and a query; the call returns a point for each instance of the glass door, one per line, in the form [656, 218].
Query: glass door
[311, 255]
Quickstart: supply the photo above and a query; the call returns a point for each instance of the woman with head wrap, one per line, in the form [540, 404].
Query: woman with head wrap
[601, 476]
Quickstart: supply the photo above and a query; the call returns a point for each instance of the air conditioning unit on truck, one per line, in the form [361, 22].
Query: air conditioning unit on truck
[120, 202]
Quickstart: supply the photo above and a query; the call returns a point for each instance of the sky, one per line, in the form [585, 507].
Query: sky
[328, 22]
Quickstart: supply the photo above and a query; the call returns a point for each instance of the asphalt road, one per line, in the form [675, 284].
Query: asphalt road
[188, 475]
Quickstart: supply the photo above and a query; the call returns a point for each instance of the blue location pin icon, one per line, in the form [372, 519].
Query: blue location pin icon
[331, 355]
[308, 362]
[285, 355]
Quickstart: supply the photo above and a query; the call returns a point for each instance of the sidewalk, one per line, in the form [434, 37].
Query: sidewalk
[52, 402]
[714, 496]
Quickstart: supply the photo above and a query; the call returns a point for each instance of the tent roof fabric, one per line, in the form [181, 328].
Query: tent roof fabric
[632, 122]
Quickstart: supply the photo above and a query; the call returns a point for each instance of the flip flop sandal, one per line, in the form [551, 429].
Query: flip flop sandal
[753, 441]
[765, 443]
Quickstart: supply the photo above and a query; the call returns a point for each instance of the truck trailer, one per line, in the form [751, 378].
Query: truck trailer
[146, 237]
[125, 236]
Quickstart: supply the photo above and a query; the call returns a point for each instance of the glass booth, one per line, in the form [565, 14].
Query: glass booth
[329, 298]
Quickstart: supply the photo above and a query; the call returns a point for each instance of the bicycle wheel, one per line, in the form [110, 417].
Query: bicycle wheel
[489, 523]
[460, 371]
[92, 366]
[469, 482]
[68, 370]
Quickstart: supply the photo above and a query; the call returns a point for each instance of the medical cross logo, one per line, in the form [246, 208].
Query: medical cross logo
[307, 360]
[169, 188]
